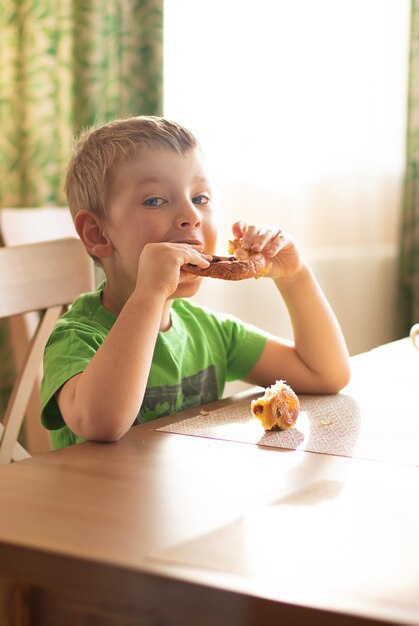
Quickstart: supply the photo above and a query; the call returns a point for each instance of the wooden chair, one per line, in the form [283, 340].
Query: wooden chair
[22, 226]
[43, 277]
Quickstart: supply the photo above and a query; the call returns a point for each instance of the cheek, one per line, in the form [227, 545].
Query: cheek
[155, 225]
[210, 237]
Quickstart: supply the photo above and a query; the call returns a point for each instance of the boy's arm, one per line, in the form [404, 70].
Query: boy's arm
[103, 401]
[318, 360]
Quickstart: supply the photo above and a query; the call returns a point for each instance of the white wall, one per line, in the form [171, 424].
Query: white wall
[301, 110]
[360, 284]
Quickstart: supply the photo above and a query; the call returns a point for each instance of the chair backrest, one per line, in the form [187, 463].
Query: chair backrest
[30, 225]
[43, 277]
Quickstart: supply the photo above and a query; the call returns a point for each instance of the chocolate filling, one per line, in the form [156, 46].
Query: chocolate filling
[218, 259]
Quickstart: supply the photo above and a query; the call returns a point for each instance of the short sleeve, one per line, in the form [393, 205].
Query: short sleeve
[245, 344]
[68, 352]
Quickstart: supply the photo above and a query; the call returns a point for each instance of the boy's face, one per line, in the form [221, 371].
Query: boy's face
[159, 196]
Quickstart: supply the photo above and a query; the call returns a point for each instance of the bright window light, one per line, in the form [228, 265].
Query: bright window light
[285, 93]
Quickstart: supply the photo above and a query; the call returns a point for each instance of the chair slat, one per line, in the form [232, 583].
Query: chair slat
[44, 277]
[23, 386]
[19, 451]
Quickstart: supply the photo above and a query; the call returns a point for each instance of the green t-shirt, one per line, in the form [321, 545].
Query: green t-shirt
[191, 361]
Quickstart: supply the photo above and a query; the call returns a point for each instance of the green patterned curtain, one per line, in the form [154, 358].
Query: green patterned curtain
[408, 305]
[64, 65]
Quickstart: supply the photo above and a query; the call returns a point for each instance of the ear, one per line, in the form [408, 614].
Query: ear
[90, 229]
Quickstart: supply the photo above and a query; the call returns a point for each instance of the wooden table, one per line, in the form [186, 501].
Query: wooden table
[90, 534]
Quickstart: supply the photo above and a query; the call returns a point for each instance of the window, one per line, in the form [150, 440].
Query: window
[300, 107]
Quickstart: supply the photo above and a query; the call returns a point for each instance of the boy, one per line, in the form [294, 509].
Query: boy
[137, 348]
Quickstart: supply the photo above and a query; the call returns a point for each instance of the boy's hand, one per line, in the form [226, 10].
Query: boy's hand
[159, 267]
[274, 243]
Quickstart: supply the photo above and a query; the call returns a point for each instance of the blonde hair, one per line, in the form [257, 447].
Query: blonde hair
[98, 151]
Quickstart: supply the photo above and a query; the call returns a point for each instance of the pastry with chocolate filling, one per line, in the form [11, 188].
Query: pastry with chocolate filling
[239, 265]
[278, 408]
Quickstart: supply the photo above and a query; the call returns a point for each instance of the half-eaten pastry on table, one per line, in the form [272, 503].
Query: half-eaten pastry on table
[278, 408]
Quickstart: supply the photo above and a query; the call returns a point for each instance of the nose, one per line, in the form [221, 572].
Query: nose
[189, 216]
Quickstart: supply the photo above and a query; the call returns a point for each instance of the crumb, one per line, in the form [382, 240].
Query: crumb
[202, 412]
[327, 422]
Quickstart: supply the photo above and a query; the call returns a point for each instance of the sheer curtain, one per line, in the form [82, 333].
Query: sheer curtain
[301, 110]
[409, 248]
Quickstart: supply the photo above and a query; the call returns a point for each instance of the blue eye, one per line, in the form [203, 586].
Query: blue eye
[154, 202]
[200, 200]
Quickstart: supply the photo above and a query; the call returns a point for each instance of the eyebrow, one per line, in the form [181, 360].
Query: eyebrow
[202, 179]
[159, 179]
[150, 179]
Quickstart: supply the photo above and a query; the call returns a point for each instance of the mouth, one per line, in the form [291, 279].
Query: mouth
[195, 243]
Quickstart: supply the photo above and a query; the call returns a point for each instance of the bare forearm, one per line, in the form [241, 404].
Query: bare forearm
[103, 402]
[319, 341]
[108, 394]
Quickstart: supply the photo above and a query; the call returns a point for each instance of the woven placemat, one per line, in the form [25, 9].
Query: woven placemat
[334, 424]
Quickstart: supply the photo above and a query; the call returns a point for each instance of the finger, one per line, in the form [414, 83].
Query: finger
[259, 237]
[250, 236]
[275, 245]
[188, 254]
[239, 228]
[262, 238]
[198, 259]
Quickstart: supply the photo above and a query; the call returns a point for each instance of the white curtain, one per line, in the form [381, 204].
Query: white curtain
[301, 110]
